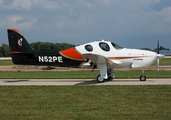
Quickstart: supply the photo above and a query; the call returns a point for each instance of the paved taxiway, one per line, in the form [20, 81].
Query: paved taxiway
[83, 82]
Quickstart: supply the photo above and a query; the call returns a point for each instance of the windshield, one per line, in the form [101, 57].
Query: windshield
[118, 47]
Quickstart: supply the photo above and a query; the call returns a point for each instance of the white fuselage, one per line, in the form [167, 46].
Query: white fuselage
[122, 57]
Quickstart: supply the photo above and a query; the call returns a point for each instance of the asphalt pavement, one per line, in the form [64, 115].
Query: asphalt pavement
[83, 82]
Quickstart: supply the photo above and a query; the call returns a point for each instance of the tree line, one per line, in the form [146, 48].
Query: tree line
[38, 46]
[53, 47]
[161, 48]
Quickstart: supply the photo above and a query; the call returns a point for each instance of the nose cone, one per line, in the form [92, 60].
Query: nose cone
[152, 57]
[153, 54]
[146, 58]
[149, 58]
[160, 56]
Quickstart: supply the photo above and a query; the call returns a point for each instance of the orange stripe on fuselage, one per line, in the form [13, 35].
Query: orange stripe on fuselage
[72, 53]
[125, 57]
[14, 52]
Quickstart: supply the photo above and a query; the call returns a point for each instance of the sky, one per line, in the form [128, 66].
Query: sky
[129, 23]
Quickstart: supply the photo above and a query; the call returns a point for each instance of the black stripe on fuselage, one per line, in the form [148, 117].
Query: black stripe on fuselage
[44, 58]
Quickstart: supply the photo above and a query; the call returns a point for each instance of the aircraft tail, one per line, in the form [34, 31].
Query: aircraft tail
[20, 49]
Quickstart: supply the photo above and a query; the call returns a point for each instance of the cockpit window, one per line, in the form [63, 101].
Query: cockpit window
[104, 46]
[118, 47]
[89, 48]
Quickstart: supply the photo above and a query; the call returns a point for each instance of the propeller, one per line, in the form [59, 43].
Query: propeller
[158, 60]
[158, 47]
[159, 56]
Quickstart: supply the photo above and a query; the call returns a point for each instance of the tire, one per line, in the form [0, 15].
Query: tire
[109, 79]
[99, 79]
[142, 78]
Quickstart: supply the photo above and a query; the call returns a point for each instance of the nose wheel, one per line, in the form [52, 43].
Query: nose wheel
[143, 77]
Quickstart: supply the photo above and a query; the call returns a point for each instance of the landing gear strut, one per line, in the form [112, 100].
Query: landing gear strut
[110, 73]
[110, 76]
[143, 77]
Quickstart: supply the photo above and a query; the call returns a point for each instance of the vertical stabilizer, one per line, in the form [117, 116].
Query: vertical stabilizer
[17, 42]
[20, 50]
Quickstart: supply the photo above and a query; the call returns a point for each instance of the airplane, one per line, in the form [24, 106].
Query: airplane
[104, 55]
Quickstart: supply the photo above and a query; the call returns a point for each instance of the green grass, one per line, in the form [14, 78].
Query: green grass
[164, 61]
[81, 75]
[6, 62]
[85, 102]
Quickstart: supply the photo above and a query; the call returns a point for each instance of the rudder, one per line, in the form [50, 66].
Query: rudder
[17, 42]
[20, 49]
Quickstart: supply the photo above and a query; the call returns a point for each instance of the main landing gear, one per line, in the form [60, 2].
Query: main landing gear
[143, 77]
[99, 79]
[110, 76]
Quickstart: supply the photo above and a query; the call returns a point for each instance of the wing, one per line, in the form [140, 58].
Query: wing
[103, 64]
[99, 59]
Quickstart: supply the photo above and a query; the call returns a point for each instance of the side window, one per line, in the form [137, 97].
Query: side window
[89, 48]
[104, 46]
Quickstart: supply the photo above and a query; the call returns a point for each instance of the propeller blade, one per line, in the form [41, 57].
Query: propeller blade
[158, 47]
[158, 63]
[159, 56]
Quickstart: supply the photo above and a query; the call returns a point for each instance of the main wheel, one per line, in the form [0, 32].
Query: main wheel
[109, 78]
[99, 79]
[142, 78]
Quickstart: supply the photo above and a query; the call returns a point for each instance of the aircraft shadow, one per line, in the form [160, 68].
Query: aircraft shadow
[94, 82]
[88, 82]
[17, 81]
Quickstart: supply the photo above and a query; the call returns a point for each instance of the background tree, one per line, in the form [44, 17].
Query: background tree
[47, 46]
[146, 49]
[4, 50]
[161, 48]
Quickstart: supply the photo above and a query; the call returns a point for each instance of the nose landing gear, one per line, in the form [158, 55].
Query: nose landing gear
[143, 77]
